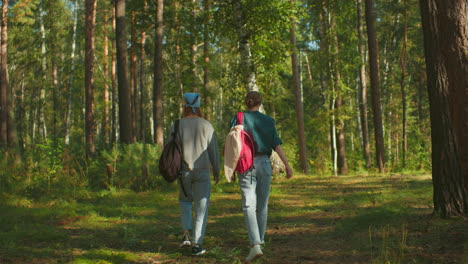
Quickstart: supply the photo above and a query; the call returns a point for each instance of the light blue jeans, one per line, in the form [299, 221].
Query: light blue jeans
[255, 188]
[197, 185]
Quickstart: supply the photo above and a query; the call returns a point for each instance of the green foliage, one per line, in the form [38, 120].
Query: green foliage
[132, 166]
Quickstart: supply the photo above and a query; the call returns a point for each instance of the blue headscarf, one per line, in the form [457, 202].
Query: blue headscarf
[192, 100]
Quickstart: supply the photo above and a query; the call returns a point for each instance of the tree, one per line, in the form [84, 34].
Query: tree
[90, 6]
[375, 86]
[298, 97]
[158, 76]
[445, 28]
[4, 107]
[243, 41]
[363, 87]
[125, 113]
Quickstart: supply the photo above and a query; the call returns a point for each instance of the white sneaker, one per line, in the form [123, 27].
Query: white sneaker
[255, 252]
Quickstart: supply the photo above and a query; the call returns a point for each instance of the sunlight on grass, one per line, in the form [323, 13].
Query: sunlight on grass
[316, 219]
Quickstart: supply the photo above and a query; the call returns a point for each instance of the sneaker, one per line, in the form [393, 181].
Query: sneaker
[255, 252]
[197, 250]
[186, 242]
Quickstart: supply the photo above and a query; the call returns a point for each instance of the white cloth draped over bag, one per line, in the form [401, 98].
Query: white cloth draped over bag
[232, 149]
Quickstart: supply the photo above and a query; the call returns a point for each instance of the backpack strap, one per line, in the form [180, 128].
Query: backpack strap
[174, 135]
[240, 117]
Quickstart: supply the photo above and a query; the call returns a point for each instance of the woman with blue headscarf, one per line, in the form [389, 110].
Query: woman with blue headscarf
[200, 153]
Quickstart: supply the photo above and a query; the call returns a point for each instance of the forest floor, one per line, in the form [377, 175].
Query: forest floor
[312, 219]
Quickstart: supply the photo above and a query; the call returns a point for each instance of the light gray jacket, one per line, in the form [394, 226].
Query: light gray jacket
[200, 145]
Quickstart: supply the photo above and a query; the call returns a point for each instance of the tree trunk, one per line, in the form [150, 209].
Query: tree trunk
[4, 107]
[42, 126]
[89, 74]
[363, 88]
[142, 83]
[105, 95]
[298, 97]
[114, 107]
[339, 124]
[243, 36]
[375, 80]
[158, 76]
[72, 75]
[178, 59]
[125, 111]
[206, 54]
[194, 47]
[133, 78]
[445, 28]
[403, 55]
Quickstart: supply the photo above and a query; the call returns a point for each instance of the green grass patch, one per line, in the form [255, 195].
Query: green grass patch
[312, 219]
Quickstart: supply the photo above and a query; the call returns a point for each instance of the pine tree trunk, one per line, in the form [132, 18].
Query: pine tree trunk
[178, 55]
[445, 28]
[114, 106]
[72, 75]
[125, 111]
[339, 124]
[404, 139]
[133, 78]
[105, 95]
[375, 80]
[206, 54]
[142, 83]
[89, 74]
[363, 88]
[158, 76]
[246, 63]
[298, 98]
[4, 109]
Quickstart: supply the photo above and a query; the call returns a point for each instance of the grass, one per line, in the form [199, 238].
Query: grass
[312, 219]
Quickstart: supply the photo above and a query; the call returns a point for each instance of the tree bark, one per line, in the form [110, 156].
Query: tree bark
[4, 107]
[72, 75]
[404, 138]
[158, 76]
[89, 74]
[114, 106]
[105, 95]
[133, 78]
[445, 28]
[298, 97]
[125, 116]
[142, 83]
[206, 54]
[363, 88]
[339, 124]
[375, 85]
[243, 35]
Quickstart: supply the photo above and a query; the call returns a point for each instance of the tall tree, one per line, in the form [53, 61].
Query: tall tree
[339, 123]
[403, 54]
[105, 95]
[298, 97]
[206, 55]
[243, 40]
[133, 76]
[445, 28]
[142, 81]
[375, 84]
[363, 87]
[90, 6]
[158, 76]
[125, 113]
[4, 107]
[72, 75]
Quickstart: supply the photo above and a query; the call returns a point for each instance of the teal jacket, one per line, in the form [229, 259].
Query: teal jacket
[262, 129]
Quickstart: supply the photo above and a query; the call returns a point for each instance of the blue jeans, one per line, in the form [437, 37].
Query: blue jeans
[197, 185]
[255, 188]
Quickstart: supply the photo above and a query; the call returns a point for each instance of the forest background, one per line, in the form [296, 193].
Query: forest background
[90, 88]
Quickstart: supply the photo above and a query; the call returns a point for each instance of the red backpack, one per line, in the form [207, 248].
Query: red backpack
[247, 152]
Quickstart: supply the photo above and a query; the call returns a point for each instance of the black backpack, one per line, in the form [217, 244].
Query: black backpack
[170, 162]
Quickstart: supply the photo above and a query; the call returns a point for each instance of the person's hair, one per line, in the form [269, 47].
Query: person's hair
[253, 99]
[188, 111]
